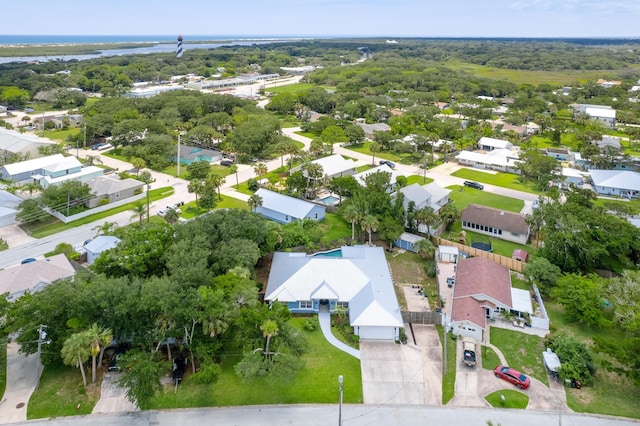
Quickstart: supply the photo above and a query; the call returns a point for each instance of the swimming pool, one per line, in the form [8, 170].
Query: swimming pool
[329, 200]
[330, 253]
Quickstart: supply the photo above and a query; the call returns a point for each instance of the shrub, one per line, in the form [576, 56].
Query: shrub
[253, 184]
[431, 270]
[311, 324]
[103, 202]
[402, 338]
[576, 360]
[208, 374]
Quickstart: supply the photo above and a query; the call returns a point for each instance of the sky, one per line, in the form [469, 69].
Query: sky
[362, 18]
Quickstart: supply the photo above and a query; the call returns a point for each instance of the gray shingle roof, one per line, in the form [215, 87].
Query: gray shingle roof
[495, 218]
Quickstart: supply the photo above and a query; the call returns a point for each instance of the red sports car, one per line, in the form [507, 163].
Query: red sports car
[512, 376]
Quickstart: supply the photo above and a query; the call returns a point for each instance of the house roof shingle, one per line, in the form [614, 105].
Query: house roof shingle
[495, 218]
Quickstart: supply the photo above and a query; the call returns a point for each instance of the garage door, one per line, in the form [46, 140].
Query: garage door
[376, 333]
[7, 216]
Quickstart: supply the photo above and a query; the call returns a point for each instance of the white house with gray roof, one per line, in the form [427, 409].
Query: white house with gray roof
[355, 277]
[384, 168]
[99, 245]
[616, 183]
[112, 189]
[16, 143]
[284, 209]
[8, 208]
[34, 276]
[334, 166]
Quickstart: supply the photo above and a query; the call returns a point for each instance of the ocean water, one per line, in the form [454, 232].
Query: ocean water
[161, 44]
[97, 39]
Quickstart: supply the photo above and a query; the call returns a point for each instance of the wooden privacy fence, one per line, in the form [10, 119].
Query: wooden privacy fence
[514, 265]
[425, 317]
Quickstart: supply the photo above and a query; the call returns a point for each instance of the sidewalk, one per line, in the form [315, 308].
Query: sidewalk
[22, 378]
[325, 324]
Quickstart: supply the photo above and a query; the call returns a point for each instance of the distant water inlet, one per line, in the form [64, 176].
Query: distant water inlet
[328, 253]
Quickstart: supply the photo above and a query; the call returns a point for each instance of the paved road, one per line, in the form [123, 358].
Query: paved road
[322, 415]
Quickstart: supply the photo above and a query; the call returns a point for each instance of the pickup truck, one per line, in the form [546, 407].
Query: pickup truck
[469, 348]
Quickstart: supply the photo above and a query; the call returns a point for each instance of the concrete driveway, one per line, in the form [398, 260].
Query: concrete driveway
[473, 384]
[394, 374]
[22, 378]
[113, 398]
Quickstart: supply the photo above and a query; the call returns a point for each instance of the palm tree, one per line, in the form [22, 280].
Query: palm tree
[352, 214]
[196, 187]
[138, 163]
[75, 351]
[97, 339]
[254, 202]
[139, 209]
[269, 329]
[90, 159]
[31, 186]
[369, 223]
[217, 181]
[105, 228]
[374, 147]
[426, 215]
[424, 248]
[234, 169]
[449, 214]
[260, 169]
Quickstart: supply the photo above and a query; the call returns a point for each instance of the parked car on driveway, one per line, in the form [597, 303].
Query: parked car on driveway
[472, 184]
[469, 349]
[512, 376]
[388, 163]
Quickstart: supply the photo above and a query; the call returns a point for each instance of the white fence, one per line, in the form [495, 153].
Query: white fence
[95, 210]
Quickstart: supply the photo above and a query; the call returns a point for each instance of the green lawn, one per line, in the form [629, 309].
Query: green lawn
[512, 399]
[43, 229]
[317, 383]
[448, 377]
[529, 76]
[3, 367]
[468, 196]
[291, 88]
[418, 179]
[60, 135]
[189, 209]
[611, 393]
[3, 245]
[505, 180]
[364, 168]
[363, 148]
[522, 351]
[501, 247]
[489, 357]
[335, 227]
[61, 393]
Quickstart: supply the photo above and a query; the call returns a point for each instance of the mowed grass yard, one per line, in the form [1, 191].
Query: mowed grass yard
[522, 351]
[463, 196]
[611, 393]
[529, 76]
[317, 383]
[504, 180]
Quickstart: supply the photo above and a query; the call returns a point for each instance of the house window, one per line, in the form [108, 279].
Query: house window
[343, 305]
[286, 218]
[306, 304]
[499, 231]
[316, 215]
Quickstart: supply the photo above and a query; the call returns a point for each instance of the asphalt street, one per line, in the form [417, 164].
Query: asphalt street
[352, 415]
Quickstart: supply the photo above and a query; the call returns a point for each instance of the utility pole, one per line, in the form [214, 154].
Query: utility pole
[42, 335]
[444, 363]
[178, 156]
[341, 383]
[68, 201]
[43, 124]
[148, 190]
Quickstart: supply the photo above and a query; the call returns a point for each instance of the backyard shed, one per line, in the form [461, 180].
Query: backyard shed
[521, 255]
[447, 254]
[407, 241]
